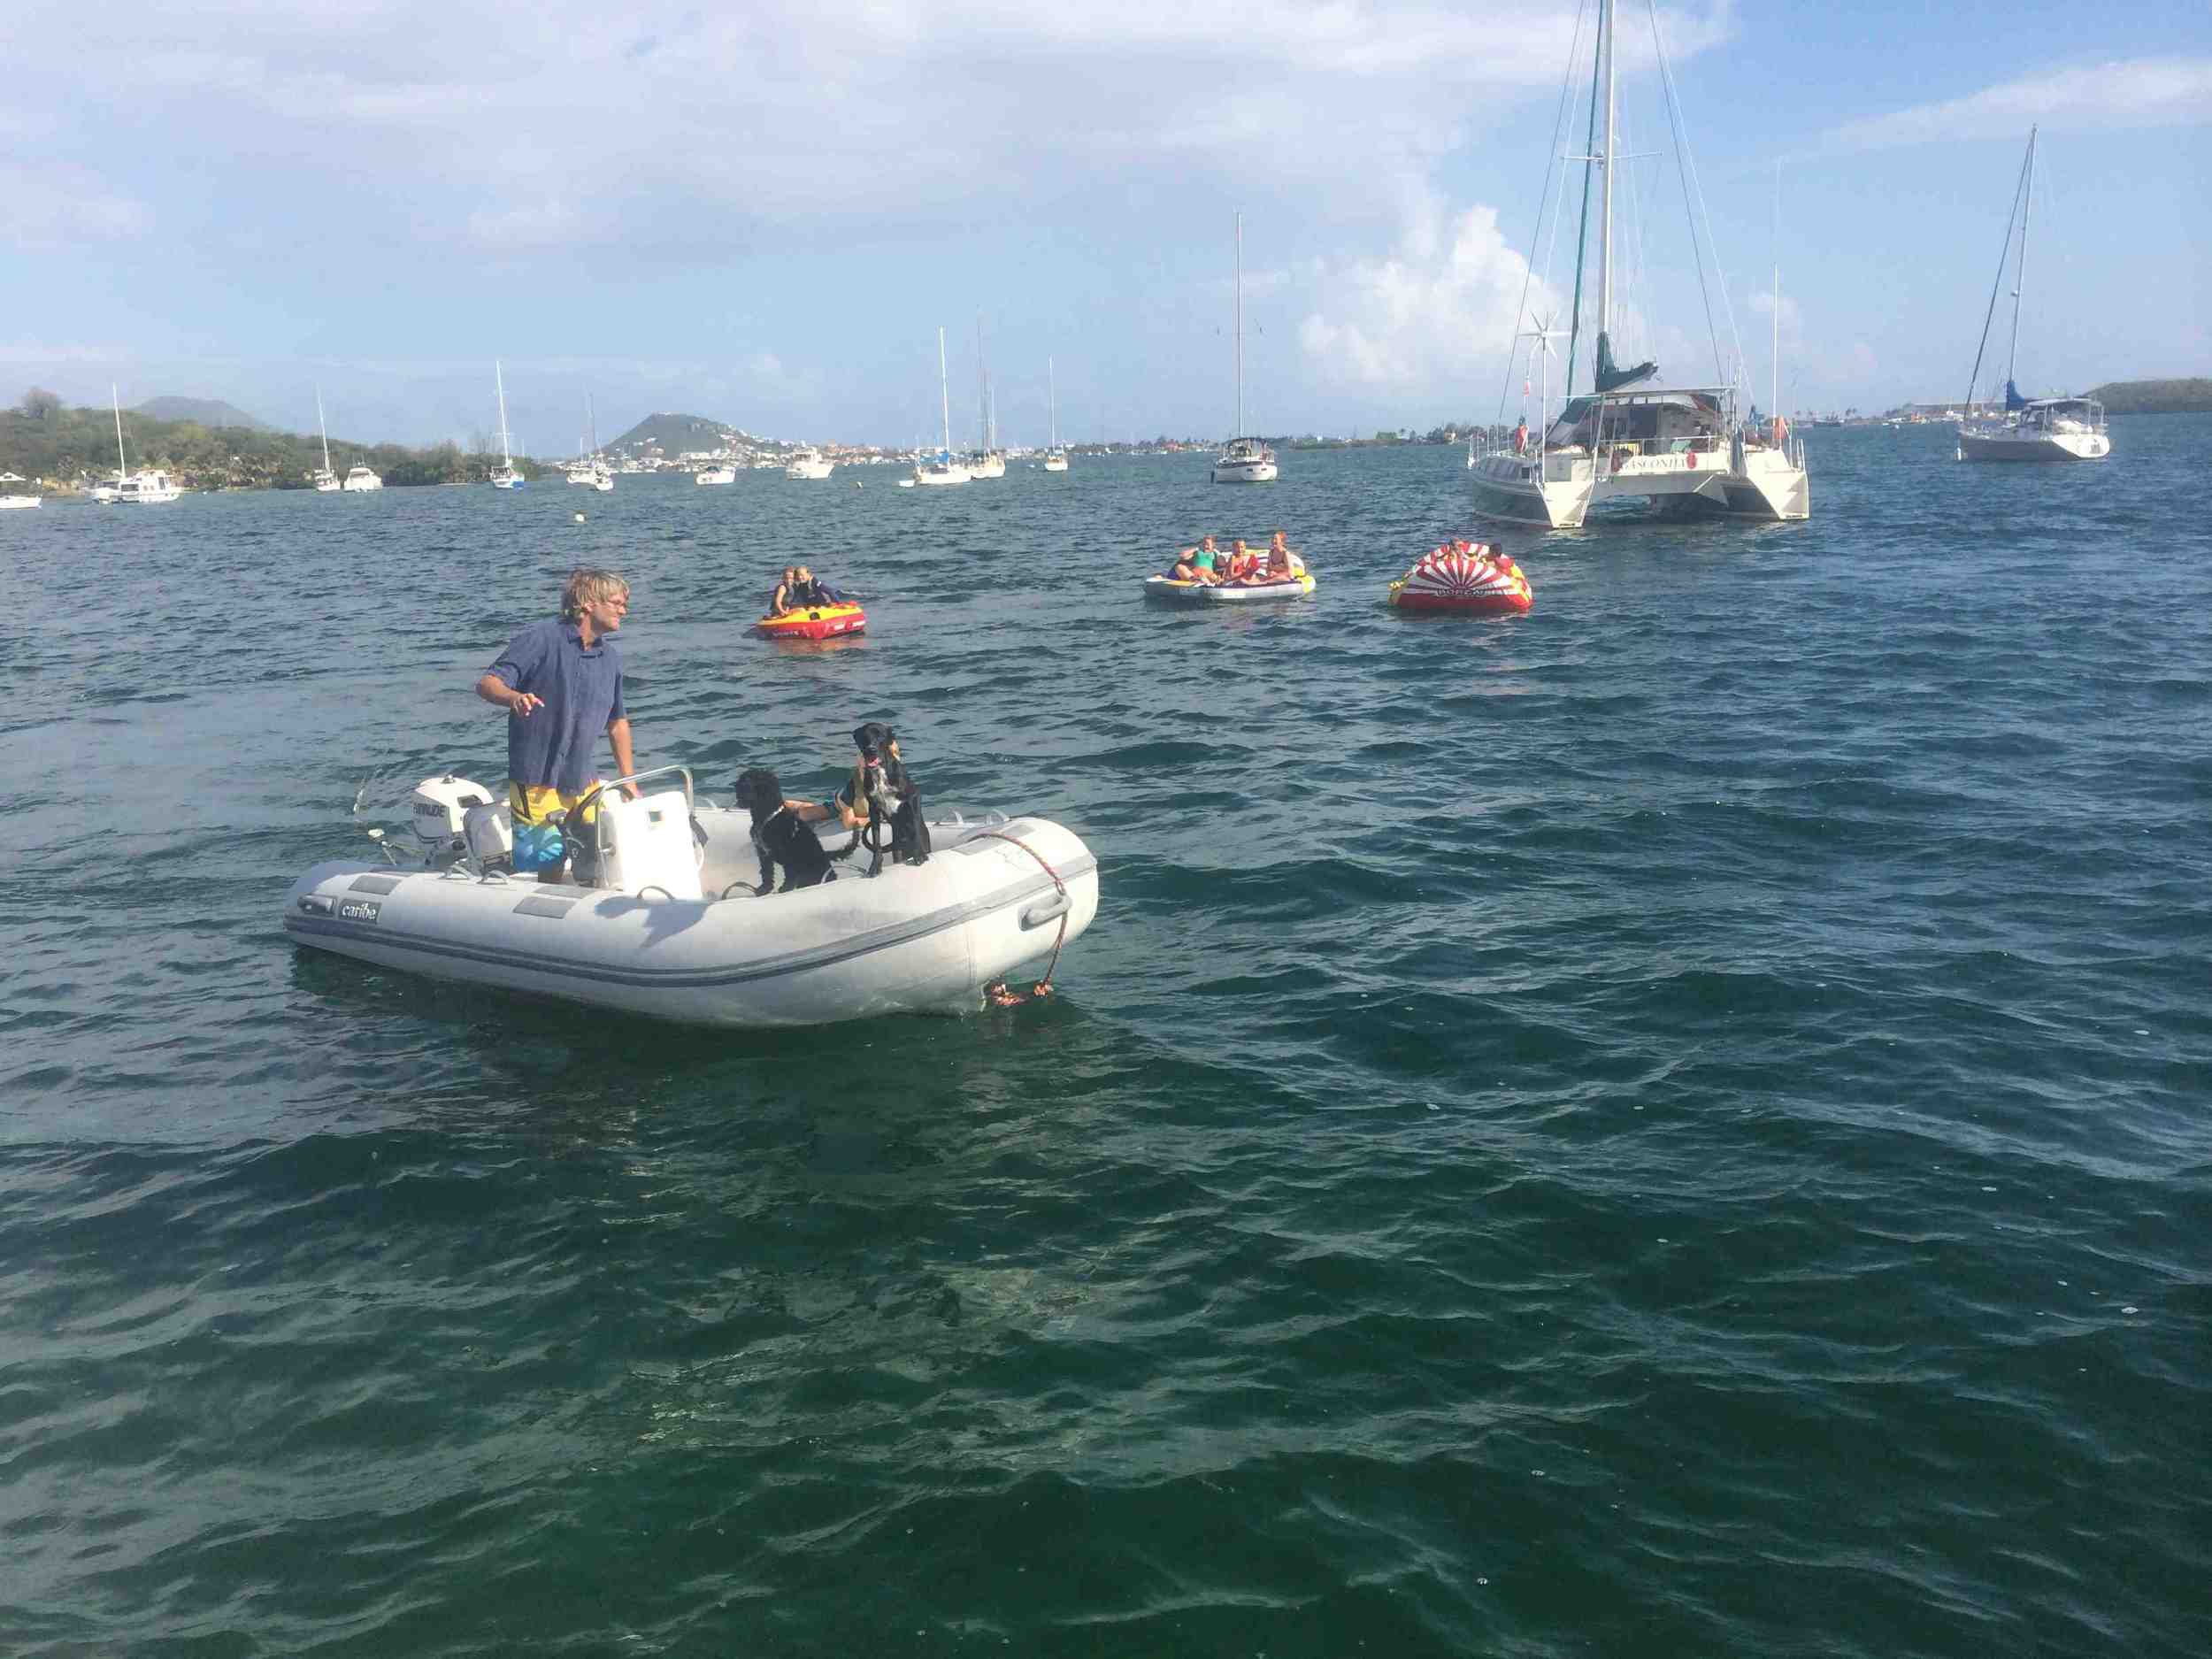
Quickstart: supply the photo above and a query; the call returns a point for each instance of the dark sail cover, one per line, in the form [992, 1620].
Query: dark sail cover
[2013, 401]
[1610, 379]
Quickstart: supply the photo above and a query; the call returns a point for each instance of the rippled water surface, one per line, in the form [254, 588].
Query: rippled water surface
[1674, 1125]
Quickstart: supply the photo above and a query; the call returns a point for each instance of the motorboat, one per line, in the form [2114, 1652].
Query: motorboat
[814, 622]
[105, 495]
[2038, 429]
[809, 464]
[9, 504]
[673, 929]
[149, 488]
[1245, 460]
[723, 474]
[1168, 590]
[359, 478]
[1466, 580]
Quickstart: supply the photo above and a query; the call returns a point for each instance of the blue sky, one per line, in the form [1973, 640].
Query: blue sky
[764, 214]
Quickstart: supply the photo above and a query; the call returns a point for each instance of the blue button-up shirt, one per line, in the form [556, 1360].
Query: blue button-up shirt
[552, 747]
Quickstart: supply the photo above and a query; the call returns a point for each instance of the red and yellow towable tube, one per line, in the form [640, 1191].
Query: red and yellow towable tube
[813, 622]
[1467, 582]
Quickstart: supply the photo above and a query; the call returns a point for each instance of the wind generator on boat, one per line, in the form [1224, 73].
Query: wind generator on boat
[1681, 450]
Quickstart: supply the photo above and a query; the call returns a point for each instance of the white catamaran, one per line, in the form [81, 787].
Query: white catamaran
[2037, 429]
[1245, 460]
[1682, 451]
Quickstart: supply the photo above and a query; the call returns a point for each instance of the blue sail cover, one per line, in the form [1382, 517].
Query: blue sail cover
[1611, 379]
[2013, 401]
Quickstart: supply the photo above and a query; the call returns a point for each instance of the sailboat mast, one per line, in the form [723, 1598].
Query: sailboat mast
[1774, 391]
[944, 395]
[324, 425]
[2020, 278]
[591, 425]
[982, 390]
[1605, 161]
[1239, 431]
[1052, 407]
[499, 379]
[122, 467]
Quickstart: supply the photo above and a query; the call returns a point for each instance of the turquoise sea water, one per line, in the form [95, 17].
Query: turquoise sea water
[1675, 1125]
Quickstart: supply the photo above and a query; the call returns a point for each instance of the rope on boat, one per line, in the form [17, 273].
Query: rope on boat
[1058, 885]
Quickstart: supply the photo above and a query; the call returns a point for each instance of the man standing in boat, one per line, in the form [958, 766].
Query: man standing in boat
[560, 681]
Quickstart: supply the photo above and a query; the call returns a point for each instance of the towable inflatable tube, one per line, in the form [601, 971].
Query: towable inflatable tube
[1448, 582]
[815, 622]
[699, 949]
[1170, 591]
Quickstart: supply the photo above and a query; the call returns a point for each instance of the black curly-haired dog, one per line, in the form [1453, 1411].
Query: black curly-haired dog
[894, 803]
[778, 837]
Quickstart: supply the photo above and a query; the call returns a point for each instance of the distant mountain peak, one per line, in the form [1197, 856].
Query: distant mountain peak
[208, 412]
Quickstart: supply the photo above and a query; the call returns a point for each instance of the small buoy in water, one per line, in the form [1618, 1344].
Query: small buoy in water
[579, 517]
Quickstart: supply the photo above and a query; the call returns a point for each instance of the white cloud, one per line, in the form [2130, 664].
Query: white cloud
[2145, 92]
[1441, 307]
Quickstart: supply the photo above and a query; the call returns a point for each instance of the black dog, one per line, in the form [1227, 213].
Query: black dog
[778, 837]
[881, 783]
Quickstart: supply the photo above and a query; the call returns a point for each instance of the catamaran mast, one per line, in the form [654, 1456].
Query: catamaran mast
[1605, 161]
[2020, 278]
[1239, 431]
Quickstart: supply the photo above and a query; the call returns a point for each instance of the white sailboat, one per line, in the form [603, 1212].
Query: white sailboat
[1056, 457]
[504, 476]
[598, 475]
[12, 499]
[987, 461]
[2030, 429]
[944, 470]
[147, 488]
[1245, 460]
[326, 480]
[1681, 451]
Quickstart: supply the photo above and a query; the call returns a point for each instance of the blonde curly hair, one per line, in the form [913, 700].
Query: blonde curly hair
[589, 587]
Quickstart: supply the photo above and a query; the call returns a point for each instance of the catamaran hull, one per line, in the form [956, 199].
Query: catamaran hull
[916, 939]
[1767, 487]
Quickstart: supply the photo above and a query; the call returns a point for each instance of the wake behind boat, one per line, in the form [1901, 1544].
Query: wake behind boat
[673, 929]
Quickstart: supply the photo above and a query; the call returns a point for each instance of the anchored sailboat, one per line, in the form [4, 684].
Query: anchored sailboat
[1681, 450]
[326, 480]
[1056, 457]
[1245, 460]
[504, 476]
[944, 469]
[987, 461]
[2044, 428]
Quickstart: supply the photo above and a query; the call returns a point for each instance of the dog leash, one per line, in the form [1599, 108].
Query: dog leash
[1059, 886]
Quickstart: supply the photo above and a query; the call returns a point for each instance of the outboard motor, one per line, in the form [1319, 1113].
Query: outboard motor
[438, 814]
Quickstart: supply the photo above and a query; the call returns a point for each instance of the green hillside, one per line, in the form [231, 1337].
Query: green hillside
[60, 448]
[2155, 397]
[673, 432]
